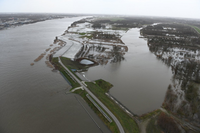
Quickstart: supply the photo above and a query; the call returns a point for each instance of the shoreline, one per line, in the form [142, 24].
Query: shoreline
[8, 25]
[99, 43]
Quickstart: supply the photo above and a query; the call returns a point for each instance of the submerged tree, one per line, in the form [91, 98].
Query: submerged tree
[117, 54]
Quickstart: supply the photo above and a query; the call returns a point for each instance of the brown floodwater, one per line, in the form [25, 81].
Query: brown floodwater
[140, 82]
[33, 98]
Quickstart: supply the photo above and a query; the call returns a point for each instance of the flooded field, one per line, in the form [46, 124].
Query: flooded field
[33, 98]
[140, 82]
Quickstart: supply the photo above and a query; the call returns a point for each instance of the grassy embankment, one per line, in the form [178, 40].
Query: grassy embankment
[74, 65]
[62, 70]
[112, 126]
[150, 114]
[99, 89]
[196, 28]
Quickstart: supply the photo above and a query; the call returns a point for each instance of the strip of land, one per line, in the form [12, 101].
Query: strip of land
[124, 122]
[176, 44]
[96, 99]
[196, 28]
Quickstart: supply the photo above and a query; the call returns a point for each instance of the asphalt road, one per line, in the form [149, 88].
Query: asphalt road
[95, 98]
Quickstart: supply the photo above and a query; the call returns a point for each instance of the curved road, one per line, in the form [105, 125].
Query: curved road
[95, 98]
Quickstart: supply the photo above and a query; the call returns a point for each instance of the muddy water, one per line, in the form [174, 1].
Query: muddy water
[33, 98]
[140, 82]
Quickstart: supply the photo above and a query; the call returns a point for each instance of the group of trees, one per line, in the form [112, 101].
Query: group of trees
[187, 70]
[97, 25]
[186, 73]
[170, 99]
[173, 29]
[117, 54]
[102, 35]
[167, 124]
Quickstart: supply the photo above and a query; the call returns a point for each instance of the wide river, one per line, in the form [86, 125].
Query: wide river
[33, 98]
[140, 82]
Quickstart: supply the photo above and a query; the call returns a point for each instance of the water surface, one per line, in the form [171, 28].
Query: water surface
[33, 98]
[140, 82]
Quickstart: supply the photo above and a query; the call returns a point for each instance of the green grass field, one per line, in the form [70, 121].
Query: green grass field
[129, 125]
[82, 34]
[150, 114]
[72, 64]
[99, 88]
[196, 28]
[62, 70]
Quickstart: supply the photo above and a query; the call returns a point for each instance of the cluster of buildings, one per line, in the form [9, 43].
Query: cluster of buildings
[17, 21]
[14, 22]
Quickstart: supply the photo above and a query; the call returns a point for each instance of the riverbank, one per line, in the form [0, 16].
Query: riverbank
[57, 65]
[33, 98]
[95, 45]
[145, 123]
[99, 88]
[127, 122]
[179, 49]
[13, 20]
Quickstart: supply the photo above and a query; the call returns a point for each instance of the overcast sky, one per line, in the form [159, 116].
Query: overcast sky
[169, 8]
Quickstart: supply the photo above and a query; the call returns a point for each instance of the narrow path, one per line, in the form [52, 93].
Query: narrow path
[95, 98]
[143, 126]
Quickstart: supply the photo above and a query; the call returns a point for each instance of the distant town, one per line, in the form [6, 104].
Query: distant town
[13, 20]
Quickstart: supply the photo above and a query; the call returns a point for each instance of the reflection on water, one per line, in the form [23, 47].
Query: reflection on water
[32, 98]
[140, 82]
